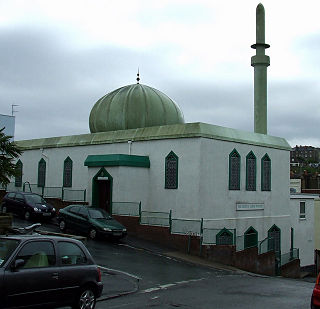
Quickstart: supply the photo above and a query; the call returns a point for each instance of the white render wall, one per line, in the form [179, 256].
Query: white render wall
[303, 228]
[202, 185]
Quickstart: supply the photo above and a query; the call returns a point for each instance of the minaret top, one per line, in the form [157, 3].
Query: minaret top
[260, 28]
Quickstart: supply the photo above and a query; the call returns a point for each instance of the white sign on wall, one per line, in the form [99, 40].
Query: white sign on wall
[295, 185]
[250, 206]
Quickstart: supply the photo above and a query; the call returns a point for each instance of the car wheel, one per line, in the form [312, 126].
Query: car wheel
[27, 215]
[4, 209]
[92, 233]
[86, 299]
[62, 225]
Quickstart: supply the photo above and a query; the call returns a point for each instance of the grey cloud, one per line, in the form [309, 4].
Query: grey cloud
[56, 87]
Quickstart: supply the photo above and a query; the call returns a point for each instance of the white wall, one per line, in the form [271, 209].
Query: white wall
[303, 228]
[203, 181]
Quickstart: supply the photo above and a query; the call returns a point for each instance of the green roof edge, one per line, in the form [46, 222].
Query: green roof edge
[117, 160]
[186, 130]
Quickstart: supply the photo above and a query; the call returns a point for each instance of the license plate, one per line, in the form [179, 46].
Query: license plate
[47, 214]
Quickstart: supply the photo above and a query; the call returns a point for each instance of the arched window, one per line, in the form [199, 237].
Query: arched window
[265, 173]
[274, 239]
[18, 178]
[251, 172]
[250, 238]
[42, 173]
[234, 170]
[171, 171]
[224, 237]
[67, 172]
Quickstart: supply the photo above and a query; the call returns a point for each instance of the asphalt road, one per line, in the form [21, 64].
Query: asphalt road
[138, 274]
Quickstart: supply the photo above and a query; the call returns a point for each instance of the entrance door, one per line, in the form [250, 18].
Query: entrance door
[104, 195]
[102, 190]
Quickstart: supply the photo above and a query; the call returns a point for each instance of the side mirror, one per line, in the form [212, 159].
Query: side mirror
[17, 264]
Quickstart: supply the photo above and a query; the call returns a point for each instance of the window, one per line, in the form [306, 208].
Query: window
[302, 210]
[74, 209]
[41, 173]
[11, 195]
[274, 238]
[234, 170]
[71, 254]
[251, 172]
[67, 172]
[171, 171]
[37, 254]
[18, 178]
[19, 197]
[224, 237]
[250, 238]
[265, 173]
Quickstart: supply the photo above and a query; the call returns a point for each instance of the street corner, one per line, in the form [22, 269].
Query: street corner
[117, 283]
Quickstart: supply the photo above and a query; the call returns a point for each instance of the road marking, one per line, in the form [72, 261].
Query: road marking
[169, 285]
[121, 272]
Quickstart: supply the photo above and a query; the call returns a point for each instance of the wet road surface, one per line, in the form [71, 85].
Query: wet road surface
[138, 274]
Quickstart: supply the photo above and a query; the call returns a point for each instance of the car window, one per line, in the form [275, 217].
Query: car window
[11, 195]
[19, 197]
[83, 212]
[98, 214]
[37, 254]
[71, 254]
[34, 199]
[7, 246]
[74, 209]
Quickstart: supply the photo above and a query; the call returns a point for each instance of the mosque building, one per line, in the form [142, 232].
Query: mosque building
[140, 149]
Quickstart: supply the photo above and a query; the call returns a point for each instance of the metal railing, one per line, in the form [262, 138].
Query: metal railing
[155, 218]
[266, 245]
[132, 209]
[293, 254]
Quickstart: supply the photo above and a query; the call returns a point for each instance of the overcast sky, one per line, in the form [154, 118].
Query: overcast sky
[57, 58]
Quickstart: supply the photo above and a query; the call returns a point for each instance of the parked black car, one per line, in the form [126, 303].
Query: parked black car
[51, 271]
[27, 205]
[90, 221]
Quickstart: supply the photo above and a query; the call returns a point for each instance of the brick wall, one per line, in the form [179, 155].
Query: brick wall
[248, 259]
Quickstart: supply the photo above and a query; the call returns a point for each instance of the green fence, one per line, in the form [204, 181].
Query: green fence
[187, 226]
[65, 194]
[155, 218]
[126, 208]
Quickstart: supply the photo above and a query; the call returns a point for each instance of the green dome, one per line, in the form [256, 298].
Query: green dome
[131, 107]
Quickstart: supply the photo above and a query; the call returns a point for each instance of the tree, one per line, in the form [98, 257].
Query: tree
[8, 153]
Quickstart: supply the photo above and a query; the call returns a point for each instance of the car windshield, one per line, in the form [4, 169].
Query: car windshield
[98, 214]
[7, 246]
[34, 199]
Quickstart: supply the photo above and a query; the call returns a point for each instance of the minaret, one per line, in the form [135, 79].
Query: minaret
[260, 62]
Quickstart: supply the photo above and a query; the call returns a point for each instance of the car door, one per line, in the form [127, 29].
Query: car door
[83, 220]
[74, 268]
[20, 204]
[36, 281]
[9, 202]
[75, 220]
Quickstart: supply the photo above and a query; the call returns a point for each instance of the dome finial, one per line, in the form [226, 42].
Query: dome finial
[138, 78]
